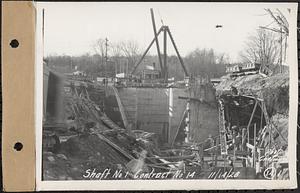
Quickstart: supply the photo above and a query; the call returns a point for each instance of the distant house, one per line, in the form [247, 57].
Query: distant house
[215, 81]
[79, 73]
[242, 68]
[251, 66]
[150, 74]
[233, 68]
[120, 75]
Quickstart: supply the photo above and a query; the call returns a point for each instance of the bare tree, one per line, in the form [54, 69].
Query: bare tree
[262, 48]
[206, 63]
[116, 55]
[130, 50]
[99, 48]
[115, 50]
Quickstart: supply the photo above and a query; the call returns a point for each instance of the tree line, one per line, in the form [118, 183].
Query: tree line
[118, 57]
[122, 56]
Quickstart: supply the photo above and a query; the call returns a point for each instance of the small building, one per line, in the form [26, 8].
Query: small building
[100, 79]
[148, 74]
[242, 68]
[79, 73]
[120, 75]
[251, 66]
[215, 81]
[233, 68]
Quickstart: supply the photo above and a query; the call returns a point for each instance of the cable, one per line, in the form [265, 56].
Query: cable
[162, 22]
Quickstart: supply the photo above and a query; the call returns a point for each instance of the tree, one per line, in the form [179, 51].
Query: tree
[262, 47]
[131, 51]
[205, 62]
[99, 48]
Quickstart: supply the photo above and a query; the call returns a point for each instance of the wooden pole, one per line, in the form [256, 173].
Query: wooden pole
[254, 148]
[281, 51]
[146, 51]
[252, 115]
[178, 55]
[165, 55]
[248, 135]
[156, 41]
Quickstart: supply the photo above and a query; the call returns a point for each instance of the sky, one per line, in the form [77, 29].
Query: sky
[71, 28]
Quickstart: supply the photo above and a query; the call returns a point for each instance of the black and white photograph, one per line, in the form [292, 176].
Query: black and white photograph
[166, 92]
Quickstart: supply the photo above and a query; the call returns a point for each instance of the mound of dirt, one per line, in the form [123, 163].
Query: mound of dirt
[282, 123]
[77, 155]
[274, 89]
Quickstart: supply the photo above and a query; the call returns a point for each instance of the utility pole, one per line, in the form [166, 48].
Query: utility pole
[106, 45]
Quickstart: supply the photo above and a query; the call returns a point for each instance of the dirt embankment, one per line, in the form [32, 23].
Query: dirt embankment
[78, 155]
[274, 90]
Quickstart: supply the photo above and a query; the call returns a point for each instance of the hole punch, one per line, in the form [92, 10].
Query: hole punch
[14, 43]
[18, 146]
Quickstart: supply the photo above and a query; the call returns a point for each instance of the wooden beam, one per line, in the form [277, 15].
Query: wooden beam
[121, 107]
[178, 55]
[253, 112]
[161, 164]
[172, 157]
[145, 53]
[156, 41]
[116, 147]
[165, 56]
[178, 127]
[254, 148]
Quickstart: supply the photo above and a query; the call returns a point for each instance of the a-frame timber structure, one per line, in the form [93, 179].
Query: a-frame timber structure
[162, 61]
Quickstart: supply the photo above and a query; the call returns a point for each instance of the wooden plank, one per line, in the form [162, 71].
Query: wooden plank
[121, 108]
[172, 157]
[222, 129]
[253, 112]
[254, 148]
[108, 122]
[178, 127]
[116, 147]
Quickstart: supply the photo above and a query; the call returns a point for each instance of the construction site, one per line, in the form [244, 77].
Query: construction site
[145, 125]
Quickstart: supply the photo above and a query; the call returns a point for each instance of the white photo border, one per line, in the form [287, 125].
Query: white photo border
[194, 184]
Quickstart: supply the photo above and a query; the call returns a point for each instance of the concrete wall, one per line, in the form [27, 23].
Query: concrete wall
[147, 109]
[159, 110]
[203, 116]
[152, 111]
[203, 121]
[177, 108]
[111, 107]
[128, 97]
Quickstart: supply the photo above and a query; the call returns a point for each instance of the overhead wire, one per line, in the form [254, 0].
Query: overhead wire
[161, 20]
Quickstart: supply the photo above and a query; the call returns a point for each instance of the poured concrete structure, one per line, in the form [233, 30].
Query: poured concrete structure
[160, 110]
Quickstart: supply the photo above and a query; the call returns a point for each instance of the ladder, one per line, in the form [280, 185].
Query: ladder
[222, 130]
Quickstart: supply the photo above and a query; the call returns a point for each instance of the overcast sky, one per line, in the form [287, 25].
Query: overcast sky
[71, 28]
